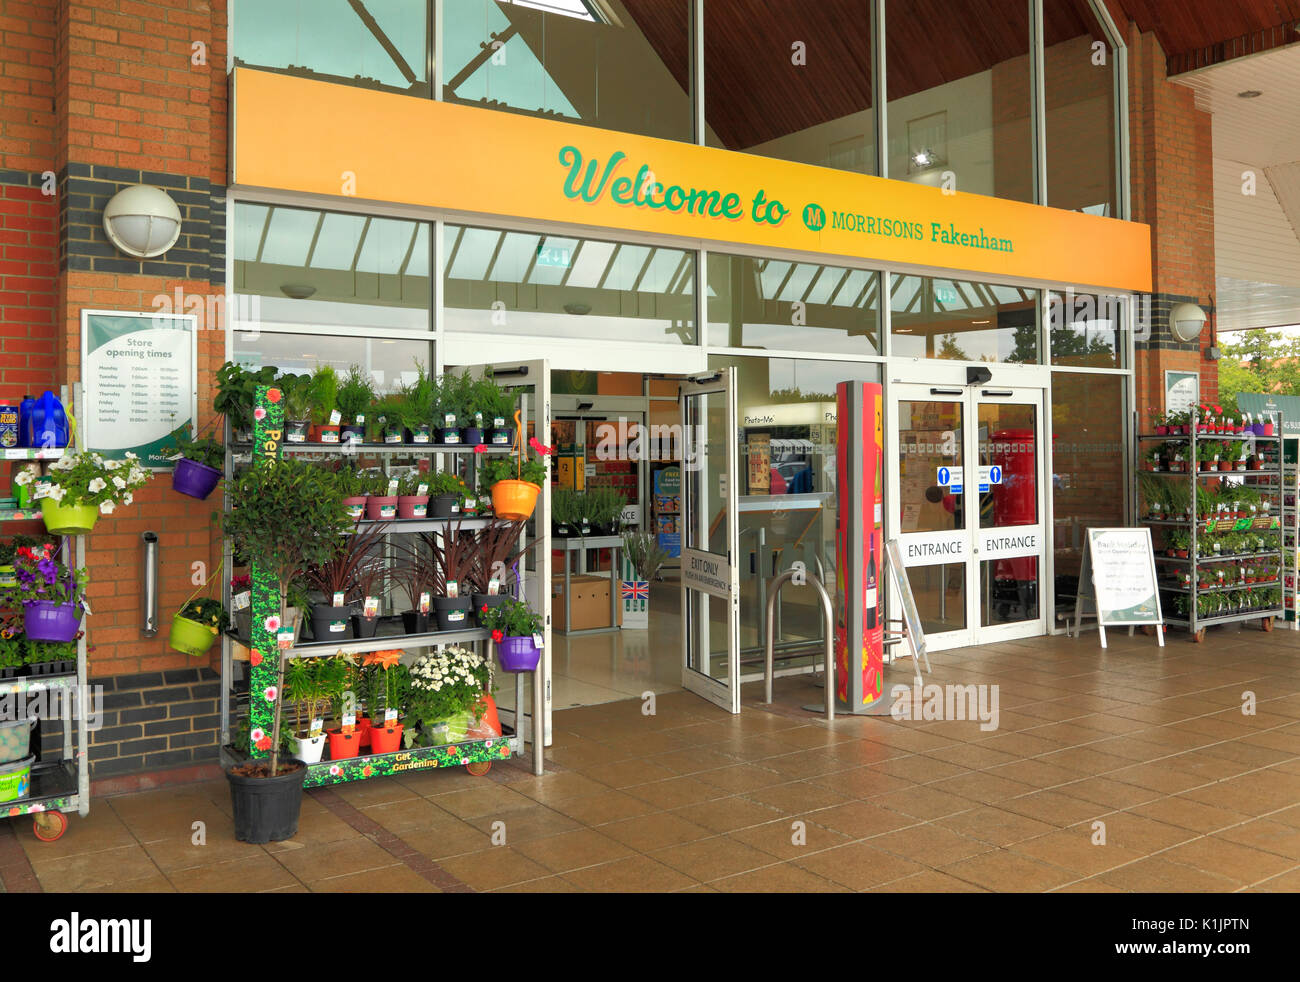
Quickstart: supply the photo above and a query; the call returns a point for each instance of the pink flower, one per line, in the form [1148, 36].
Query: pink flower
[259, 414]
[272, 623]
[335, 771]
[270, 693]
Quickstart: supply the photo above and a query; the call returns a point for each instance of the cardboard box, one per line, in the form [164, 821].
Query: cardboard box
[589, 604]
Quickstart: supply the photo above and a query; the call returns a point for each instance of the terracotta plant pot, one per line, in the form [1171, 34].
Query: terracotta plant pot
[356, 506]
[413, 506]
[326, 433]
[381, 507]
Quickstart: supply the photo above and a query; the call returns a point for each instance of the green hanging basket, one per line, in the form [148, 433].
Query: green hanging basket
[191, 637]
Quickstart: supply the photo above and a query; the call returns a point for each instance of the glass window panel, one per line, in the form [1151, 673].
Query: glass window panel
[963, 321]
[378, 44]
[929, 438]
[1009, 590]
[958, 80]
[621, 66]
[940, 595]
[1086, 330]
[792, 80]
[756, 303]
[562, 287]
[1088, 472]
[387, 360]
[309, 273]
[1079, 69]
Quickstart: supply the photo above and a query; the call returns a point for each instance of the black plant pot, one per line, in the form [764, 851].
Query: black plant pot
[563, 530]
[67, 667]
[441, 505]
[8, 672]
[296, 430]
[364, 627]
[415, 622]
[473, 436]
[267, 808]
[452, 613]
[449, 436]
[421, 434]
[356, 433]
[500, 437]
[329, 623]
[482, 600]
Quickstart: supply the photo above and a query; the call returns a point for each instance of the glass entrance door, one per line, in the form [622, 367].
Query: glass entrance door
[710, 575]
[968, 509]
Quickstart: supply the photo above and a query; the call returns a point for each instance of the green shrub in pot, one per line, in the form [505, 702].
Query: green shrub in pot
[356, 394]
[237, 394]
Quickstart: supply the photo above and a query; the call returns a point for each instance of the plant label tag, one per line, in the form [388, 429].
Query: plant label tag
[241, 601]
[453, 589]
[390, 716]
[338, 627]
[494, 587]
[539, 641]
[424, 603]
[455, 616]
[336, 417]
[328, 436]
[478, 420]
[421, 490]
[42, 490]
[85, 605]
[498, 422]
[500, 439]
[284, 639]
[387, 511]
[421, 511]
[360, 420]
[349, 722]
[455, 507]
[338, 598]
[371, 607]
[392, 488]
[316, 729]
[449, 421]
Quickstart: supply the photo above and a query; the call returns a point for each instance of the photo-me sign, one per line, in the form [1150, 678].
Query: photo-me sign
[395, 148]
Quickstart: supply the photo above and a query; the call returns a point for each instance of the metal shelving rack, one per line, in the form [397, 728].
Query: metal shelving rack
[62, 786]
[1291, 527]
[472, 753]
[1269, 479]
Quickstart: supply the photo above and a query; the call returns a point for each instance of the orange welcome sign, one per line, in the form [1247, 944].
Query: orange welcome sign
[321, 138]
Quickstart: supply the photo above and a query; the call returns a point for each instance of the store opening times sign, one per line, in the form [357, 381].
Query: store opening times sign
[139, 383]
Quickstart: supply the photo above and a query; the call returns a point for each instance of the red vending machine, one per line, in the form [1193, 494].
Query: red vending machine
[859, 556]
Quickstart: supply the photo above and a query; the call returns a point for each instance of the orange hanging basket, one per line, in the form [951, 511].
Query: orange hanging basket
[514, 500]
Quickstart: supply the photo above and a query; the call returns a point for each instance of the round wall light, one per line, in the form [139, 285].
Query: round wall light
[1186, 321]
[142, 221]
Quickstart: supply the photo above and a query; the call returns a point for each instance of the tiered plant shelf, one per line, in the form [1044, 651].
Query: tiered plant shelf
[1218, 525]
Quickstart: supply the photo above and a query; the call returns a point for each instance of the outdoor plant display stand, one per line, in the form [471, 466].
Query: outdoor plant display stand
[1213, 568]
[58, 786]
[476, 755]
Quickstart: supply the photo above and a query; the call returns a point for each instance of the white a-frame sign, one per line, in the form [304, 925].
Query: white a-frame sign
[1117, 580]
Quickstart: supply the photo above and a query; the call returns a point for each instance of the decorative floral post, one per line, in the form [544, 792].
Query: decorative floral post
[268, 434]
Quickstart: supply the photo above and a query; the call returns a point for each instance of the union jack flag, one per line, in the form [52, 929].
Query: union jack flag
[636, 590]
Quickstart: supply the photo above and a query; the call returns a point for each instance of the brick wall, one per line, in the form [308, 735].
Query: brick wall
[28, 288]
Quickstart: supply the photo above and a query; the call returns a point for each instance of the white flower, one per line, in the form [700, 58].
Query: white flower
[96, 486]
[112, 465]
[24, 478]
[118, 483]
[131, 456]
[56, 492]
[106, 508]
[128, 499]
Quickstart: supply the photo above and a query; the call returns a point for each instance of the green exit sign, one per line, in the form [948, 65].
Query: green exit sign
[557, 256]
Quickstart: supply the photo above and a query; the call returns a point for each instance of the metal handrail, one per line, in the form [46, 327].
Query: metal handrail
[768, 659]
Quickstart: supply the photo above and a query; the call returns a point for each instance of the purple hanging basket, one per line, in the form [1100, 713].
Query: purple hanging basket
[518, 654]
[44, 621]
[195, 479]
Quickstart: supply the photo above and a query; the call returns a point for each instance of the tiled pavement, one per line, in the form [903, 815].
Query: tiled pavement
[1192, 793]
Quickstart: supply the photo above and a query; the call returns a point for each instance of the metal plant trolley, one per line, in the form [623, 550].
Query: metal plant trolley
[476, 756]
[1180, 576]
[580, 544]
[58, 786]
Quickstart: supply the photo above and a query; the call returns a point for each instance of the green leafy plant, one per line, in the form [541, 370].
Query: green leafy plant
[386, 683]
[444, 684]
[392, 412]
[40, 652]
[312, 683]
[13, 651]
[605, 505]
[421, 397]
[511, 619]
[408, 485]
[86, 478]
[490, 399]
[643, 551]
[322, 394]
[208, 612]
[287, 517]
[444, 482]
[237, 392]
[356, 394]
[296, 392]
[501, 468]
[203, 450]
[567, 506]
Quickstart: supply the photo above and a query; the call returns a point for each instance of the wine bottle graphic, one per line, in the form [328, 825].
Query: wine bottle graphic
[871, 582]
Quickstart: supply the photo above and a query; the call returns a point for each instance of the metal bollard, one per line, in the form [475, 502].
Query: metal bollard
[768, 660]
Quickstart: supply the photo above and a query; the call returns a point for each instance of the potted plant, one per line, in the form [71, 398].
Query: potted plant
[196, 625]
[447, 696]
[565, 504]
[449, 407]
[51, 657]
[516, 480]
[336, 579]
[50, 593]
[13, 652]
[451, 554]
[645, 558]
[389, 418]
[347, 739]
[296, 392]
[446, 493]
[490, 568]
[242, 616]
[309, 682]
[199, 462]
[514, 626]
[387, 680]
[285, 517]
[381, 497]
[413, 496]
[352, 488]
[1179, 542]
[237, 395]
[497, 406]
[82, 486]
[356, 395]
[606, 507]
[421, 398]
[368, 583]
[322, 398]
[416, 573]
